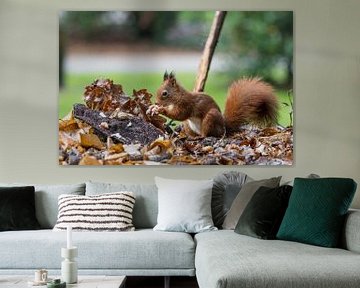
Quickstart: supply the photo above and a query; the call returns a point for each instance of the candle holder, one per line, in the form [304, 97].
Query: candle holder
[68, 265]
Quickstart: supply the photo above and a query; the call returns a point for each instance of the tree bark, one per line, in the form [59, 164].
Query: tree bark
[126, 131]
[209, 49]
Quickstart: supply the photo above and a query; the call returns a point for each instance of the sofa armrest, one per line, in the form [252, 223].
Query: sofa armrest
[351, 234]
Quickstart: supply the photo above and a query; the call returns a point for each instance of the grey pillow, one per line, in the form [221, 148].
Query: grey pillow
[310, 176]
[243, 198]
[146, 204]
[226, 187]
[46, 200]
[184, 205]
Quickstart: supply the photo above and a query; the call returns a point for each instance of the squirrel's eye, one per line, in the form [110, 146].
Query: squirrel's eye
[164, 93]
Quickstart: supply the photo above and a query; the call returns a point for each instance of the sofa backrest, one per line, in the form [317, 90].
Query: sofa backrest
[146, 203]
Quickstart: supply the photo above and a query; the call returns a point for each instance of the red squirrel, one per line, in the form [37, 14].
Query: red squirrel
[249, 101]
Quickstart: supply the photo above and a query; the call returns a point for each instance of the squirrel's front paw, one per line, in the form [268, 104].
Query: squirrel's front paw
[153, 110]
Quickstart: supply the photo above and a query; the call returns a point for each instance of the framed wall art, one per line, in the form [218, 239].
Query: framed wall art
[176, 88]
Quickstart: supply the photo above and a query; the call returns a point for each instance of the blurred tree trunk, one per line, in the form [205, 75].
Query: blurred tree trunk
[209, 50]
[145, 23]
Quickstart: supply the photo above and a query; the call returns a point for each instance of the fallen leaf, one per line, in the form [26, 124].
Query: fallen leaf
[116, 148]
[68, 125]
[91, 140]
[90, 160]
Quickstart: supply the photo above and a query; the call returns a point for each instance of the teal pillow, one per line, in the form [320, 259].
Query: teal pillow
[316, 211]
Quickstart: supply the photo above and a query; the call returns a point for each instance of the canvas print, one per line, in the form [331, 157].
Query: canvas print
[176, 88]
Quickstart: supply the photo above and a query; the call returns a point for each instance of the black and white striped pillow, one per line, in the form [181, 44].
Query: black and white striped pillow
[104, 212]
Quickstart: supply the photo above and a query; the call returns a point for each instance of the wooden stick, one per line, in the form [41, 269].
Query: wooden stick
[209, 49]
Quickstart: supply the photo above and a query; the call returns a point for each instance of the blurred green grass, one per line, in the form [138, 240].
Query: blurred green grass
[216, 86]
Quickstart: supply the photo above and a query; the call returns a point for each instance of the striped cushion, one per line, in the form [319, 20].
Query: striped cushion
[105, 212]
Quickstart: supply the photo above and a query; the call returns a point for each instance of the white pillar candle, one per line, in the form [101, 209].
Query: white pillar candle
[69, 237]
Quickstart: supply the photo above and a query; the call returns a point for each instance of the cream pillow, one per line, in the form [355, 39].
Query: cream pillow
[184, 205]
[104, 212]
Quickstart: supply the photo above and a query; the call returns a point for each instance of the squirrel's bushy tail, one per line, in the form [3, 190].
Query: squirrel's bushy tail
[250, 101]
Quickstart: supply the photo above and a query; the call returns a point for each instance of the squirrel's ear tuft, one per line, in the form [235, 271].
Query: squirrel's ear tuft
[166, 75]
[172, 78]
[172, 75]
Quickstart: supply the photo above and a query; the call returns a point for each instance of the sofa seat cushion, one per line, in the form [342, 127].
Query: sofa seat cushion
[226, 259]
[142, 249]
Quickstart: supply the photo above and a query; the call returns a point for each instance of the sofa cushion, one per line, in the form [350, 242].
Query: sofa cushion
[184, 205]
[17, 208]
[146, 205]
[46, 200]
[225, 259]
[350, 239]
[243, 198]
[317, 209]
[137, 250]
[311, 176]
[105, 212]
[225, 189]
[263, 215]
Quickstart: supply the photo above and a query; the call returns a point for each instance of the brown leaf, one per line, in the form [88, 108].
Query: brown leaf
[118, 157]
[159, 150]
[67, 140]
[143, 96]
[207, 149]
[164, 145]
[116, 148]
[103, 95]
[90, 160]
[180, 160]
[269, 131]
[91, 140]
[68, 125]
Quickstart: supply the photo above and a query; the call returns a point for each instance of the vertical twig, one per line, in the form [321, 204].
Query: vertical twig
[292, 107]
[209, 49]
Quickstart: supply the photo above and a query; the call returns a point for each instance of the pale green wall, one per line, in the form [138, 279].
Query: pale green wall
[327, 90]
